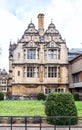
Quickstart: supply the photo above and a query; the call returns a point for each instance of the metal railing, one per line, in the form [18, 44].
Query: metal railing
[36, 123]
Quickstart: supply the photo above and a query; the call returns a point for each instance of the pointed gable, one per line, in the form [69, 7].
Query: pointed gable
[30, 44]
[31, 29]
[53, 33]
[52, 29]
[52, 44]
[29, 32]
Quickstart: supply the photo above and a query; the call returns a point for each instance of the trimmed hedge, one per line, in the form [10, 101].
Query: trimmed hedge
[1, 96]
[76, 96]
[41, 96]
[61, 104]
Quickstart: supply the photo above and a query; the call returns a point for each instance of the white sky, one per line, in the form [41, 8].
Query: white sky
[15, 15]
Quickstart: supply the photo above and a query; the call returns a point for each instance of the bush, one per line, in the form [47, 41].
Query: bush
[61, 104]
[11, 119]
[1, 96]
[25, 119]
[76, 96]
[41, 96]
[37, 119]
[1, 119]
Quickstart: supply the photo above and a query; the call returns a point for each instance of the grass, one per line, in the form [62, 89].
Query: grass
[21, 108]
[79, 107]
[28, 108]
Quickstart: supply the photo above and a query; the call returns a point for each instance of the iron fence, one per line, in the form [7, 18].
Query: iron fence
[36, 123]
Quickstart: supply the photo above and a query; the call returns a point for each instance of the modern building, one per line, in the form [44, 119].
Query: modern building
[75, 75]
[4, 81]
[39, 61]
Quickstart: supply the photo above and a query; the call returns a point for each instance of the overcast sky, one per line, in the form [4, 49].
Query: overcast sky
[15, 15]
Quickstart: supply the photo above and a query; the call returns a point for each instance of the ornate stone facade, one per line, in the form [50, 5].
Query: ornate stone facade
[39, 61]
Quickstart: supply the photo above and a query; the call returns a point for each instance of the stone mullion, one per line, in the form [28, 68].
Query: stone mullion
[57, 54]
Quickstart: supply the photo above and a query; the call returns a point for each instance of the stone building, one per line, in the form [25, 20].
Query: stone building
[39, 61]
[75, 75]
[3, 81]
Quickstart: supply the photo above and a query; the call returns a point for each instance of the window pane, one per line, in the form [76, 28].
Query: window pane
[24, 54]
[45, 74]
[51, 54]
[31, 72]
[58, 72]
[47, 90]
[18, 73]
[52, 71]
[30, 54]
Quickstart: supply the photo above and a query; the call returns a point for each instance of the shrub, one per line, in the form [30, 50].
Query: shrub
[1, 119]
[11, 119]
[1, 96]
[37, 119]
[61, 104]
[76, 96]
[25, 119]
[41, 96]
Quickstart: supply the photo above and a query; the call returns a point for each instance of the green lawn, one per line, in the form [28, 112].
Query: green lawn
[28, 108]
[79, 107]
[21, 108]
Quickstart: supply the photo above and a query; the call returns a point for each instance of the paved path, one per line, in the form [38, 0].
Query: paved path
[21, 128]
[36, 127]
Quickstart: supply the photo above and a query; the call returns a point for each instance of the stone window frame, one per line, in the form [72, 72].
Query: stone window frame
[31, 71]
[52, 54]
[47, 90]
[59, 89]
[52, 71]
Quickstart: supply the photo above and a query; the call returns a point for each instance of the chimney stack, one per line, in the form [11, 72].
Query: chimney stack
[41, 24]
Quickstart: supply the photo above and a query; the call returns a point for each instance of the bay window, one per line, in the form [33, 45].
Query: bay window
[30, 54]
[31, 71]
[51, 71]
